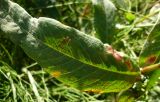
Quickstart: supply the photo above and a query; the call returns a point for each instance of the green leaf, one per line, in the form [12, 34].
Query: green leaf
[41, 39]
[150, 53]
[104, 19]
[130, 17]
[153, 79]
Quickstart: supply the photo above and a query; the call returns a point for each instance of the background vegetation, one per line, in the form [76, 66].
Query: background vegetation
[22, 79]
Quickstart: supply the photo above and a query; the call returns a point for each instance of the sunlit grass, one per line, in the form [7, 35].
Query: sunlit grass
[35, 86]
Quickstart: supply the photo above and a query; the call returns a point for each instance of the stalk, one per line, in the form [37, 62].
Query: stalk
[150, 68]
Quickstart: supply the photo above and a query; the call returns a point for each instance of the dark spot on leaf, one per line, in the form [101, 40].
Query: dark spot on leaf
[129, 65]
[151, 59]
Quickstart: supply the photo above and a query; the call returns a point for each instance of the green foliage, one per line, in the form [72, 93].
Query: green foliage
[31, 86]
[150, 53]
[75, 72]
[74, 56]
[130, 17]
[104, 19]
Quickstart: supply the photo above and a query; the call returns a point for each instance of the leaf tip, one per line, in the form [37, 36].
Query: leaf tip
[151, 59]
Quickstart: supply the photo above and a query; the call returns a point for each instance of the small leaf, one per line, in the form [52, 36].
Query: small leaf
[130, 17]
[104, 19]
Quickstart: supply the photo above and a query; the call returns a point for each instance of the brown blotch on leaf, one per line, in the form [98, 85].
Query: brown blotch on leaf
[129, 65]
[117, 55]
[56, 74]
[151, 59]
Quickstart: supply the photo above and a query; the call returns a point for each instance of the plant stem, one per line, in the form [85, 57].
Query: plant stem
[150, 68]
